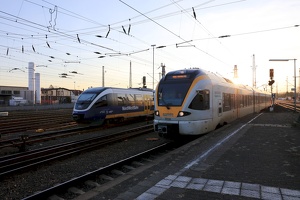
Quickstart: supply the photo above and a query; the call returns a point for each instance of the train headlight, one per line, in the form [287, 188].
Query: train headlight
[156, 113]
[183, 113]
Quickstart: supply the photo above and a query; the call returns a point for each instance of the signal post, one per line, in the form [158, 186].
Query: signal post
[271, 81]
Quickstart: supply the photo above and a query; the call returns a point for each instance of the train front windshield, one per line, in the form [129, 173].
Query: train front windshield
[174, 87]
[172, 94]
[85, 99]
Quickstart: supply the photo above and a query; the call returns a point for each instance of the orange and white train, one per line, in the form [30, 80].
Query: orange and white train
[195, 101]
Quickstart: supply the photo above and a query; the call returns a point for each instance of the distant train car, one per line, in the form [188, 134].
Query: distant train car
[195, 101]
[96, 105]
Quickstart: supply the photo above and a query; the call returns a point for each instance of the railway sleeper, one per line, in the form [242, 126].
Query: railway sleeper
[117, 172]
[128, 167]
[75, 190]
[91, 183]
[55, 197]
[136, 163]
[106, 179]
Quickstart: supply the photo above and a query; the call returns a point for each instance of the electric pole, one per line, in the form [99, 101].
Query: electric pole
[254, 72]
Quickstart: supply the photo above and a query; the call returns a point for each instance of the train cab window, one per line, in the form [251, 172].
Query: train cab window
[122, 100]
[172, 94]
[84, 100]
[102, 102]
[200, 101]
[130, 98]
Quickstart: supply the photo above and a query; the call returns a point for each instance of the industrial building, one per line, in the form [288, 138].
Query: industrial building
[34, 94]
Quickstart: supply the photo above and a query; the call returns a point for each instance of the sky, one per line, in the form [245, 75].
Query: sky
[80, 44]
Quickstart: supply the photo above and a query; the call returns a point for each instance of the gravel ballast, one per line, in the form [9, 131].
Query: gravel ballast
[45, 176]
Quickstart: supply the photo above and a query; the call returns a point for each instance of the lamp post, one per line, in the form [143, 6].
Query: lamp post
[295, 92]
[159, 47]
[153, 45]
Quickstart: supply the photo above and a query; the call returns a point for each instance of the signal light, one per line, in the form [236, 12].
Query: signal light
[271, 73]
[144, 82]
[271, 82]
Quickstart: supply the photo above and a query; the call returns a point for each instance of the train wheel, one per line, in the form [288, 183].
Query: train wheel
[121, 120]
[218, 126]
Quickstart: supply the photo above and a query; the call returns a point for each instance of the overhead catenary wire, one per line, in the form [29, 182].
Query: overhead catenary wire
[89, 20]
[81, 33]
[172, 32]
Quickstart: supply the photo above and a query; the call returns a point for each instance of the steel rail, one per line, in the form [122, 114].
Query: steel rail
[28, 160]
[60, 188]
[289, 106]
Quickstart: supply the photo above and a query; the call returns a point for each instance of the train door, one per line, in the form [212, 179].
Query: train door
[217, 102]
[220, 106]
[238, 105]
[146, 104]
[235, 103]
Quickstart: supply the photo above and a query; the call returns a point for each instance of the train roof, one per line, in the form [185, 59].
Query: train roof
[191, 72]
[195, 72]
[214, 77]
[100, 89]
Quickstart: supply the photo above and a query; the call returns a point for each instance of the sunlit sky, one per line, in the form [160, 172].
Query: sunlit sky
[78, 38]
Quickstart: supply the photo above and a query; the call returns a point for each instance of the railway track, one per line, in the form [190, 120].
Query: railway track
[43, 120]
[82, 184]
[289, 106]
[24, 139]
[28, 160]
[17, 135]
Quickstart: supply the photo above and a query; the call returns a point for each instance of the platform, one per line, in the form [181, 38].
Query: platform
[256, 157]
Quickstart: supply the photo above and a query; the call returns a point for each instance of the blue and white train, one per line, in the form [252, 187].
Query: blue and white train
[97, 105]
[195, 101]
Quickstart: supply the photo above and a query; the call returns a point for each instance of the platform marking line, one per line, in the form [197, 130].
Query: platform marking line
[274, 125]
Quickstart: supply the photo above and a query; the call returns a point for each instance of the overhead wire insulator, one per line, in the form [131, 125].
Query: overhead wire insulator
[194, 13]
[78, 38]
[108, 31]
[129, 28]
[124, 30]
[48, 44]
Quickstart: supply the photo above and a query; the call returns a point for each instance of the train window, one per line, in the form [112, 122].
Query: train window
[200, 101]
[89, 97]
[172, 94]
[139, 99]
[130, 99]
[241, 101]
[102, 102]
[232, 96]
[226, 102]
[122, 100]
[84, 100]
